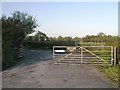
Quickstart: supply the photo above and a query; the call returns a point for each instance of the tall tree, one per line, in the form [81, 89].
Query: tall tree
[14, 30]
[68, 38]
[17, 26]
[60, 38]
[101, 34]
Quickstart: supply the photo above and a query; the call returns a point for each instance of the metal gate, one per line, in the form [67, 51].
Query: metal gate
[102, 55]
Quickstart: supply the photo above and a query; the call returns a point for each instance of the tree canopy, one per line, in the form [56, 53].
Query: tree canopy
[16, 27]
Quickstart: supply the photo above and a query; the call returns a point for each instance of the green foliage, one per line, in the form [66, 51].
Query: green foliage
[93, 40]
[41, 41]
[110, 72]
[103, 39]
[101, 34]
[16, 27]
[99, 40]
[47, 45]
[28, 22]
[92, 44]
[14, 30]
[9, 57]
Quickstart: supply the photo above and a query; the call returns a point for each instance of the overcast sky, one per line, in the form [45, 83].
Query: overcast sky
[70, 18]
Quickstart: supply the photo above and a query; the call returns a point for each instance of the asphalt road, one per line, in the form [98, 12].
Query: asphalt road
[34, 56]
[46, 74]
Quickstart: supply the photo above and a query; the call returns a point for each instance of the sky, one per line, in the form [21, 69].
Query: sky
[69, 18]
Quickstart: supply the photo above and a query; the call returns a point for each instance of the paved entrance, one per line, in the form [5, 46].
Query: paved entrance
[46, 74]
[49, 75]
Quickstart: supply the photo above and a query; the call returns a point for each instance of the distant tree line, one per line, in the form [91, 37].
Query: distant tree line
[107, 39]
[43, 41]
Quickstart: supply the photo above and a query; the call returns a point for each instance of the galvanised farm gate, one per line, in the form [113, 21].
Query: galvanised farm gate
[76, 55]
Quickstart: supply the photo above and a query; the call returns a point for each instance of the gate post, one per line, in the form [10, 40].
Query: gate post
[115, 56]
[81, 54]
[53, 52]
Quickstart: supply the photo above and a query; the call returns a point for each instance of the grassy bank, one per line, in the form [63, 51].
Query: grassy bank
[110, 72]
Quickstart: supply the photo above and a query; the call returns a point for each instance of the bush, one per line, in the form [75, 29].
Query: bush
[9, 57]
[47, 45]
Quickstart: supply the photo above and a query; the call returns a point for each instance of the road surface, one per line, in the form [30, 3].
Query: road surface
[45, 74]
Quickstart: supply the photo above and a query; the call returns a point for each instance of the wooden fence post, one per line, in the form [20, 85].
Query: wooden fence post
[115, 56]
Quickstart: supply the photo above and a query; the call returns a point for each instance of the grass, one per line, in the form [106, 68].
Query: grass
[91, 44]
[102, 53]
[111, 72]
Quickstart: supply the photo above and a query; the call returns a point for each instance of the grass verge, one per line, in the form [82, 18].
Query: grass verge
[110, 72]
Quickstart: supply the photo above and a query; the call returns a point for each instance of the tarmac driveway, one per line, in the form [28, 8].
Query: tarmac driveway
[48, 75]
